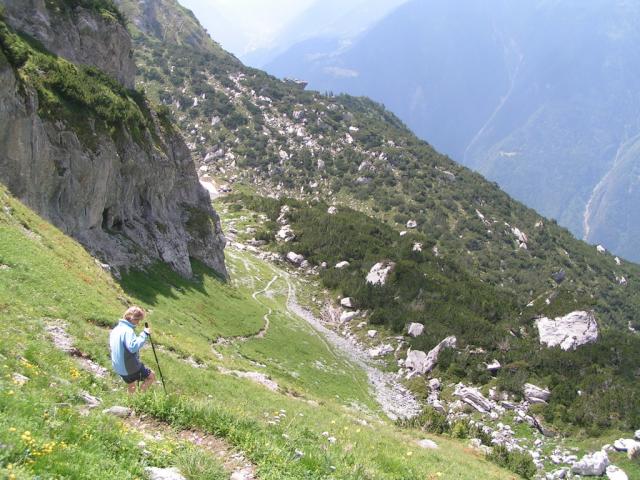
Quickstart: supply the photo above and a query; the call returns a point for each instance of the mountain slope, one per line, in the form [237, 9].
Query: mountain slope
[537, 96]
[243, 124]
[50, 284]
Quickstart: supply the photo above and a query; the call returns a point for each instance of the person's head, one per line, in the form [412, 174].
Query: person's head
[134, 314]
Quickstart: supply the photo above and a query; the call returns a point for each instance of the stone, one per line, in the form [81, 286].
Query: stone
[380, 351]
[372, 333]
[569, 332]
[380, 272]
[118, 411]
[427, 444]
[535, 394]
[421, 362]
[89, 399]
[415, 329]
[341, 265]
[348, 316]
[19, 379]
[347, 302]
[172, 473]
[637, 435]
[417, 247]
[633, 452]
[600, 249]
[594, 464]
[295, 258]
[412, 224]
[285, 234]
[473, 397]
[616, 473]
[332, 210]
[559, 474]
[494, 366]
[434, 384]
[623, 444]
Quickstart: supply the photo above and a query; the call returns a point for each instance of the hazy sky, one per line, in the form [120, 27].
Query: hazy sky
[245, 25]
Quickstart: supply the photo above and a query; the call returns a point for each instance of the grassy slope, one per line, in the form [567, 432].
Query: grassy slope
[50, 277]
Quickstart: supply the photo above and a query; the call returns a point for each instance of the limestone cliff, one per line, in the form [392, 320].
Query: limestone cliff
[91, 156]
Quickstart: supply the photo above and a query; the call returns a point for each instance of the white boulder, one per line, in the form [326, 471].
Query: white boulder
[117, 411]
[332, 210]
[155, 473]
[412, 224]
[569, 332]
[285, 234]
[594, 464]
[428, 444]
[380, 272]
[347, 302]
[415, 329]
[295, 258]
[624, 444]
[601, 249]
[535, 394]
[637, 435]
[421, 363]
[434, 384]
[616, 473]
[473, 397]
[494, 366]
[341, 265]
[348, 316]
[372, 333]
[417, 247]
[380, 350]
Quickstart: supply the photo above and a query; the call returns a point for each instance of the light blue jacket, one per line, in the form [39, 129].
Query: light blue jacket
[125, 348]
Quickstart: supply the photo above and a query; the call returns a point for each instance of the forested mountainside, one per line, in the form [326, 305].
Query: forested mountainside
[244, 124]
[538, 96]
[89, 153]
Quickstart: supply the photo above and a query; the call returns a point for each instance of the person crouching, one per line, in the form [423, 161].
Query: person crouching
[125, 350]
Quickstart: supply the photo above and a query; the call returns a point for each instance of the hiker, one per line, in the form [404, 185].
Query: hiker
[125, 350]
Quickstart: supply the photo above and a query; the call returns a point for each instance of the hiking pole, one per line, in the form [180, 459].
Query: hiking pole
[146, 325]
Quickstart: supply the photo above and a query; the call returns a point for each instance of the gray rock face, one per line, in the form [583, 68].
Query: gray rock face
[80, 36]
[569, 332]
[594, 464]
[129, 202]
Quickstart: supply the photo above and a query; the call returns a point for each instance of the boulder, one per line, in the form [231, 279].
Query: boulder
[473, 397]
[172, 473]
[415, 329]
[332, 210]
[117, 411]
[428, 444]
[380, 272]
[601, 249]
[341, 265]
[19, 379]
[615, 473]
[348, 316]
[535, 394]
[637, 435]
[569, 332]
[380, 351]
[285, 234]
[434, 384]
[624, 444]
[372, 333]
[633, 451]
[594, 464]
[412, 224]
[295, 258]
[559, 474]
[347, 302]
[417, 247]
[494, 366]
[421, 363]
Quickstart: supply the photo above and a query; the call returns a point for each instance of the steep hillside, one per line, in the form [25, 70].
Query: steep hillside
[537, 96]
[87, 152]
[242, 124]
[246, 378]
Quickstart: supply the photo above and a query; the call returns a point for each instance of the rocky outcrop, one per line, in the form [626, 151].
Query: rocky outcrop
[569, 332]
[81, 36]
[421, 363]
[473, 397]
[415, 329]
[129, 199]
[535, 394]
[594, 464]
[380, 272]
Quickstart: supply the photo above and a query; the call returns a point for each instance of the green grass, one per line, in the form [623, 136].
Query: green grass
[50, 277]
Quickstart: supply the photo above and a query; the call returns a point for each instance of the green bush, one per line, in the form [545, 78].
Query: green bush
[520, 463]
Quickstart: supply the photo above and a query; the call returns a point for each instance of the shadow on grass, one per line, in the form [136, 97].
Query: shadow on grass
[160, 280]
